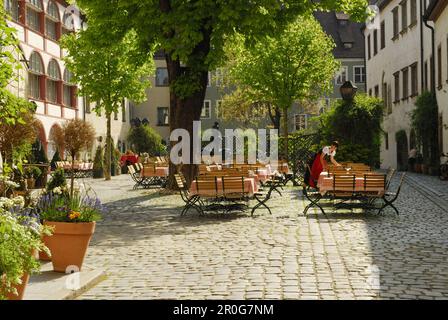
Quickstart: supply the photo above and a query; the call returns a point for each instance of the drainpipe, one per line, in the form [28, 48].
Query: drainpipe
[422, 50]
[433, 77]
[433, 53]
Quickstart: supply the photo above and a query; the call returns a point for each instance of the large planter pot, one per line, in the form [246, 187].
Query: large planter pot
[20, 289]
[69, 243]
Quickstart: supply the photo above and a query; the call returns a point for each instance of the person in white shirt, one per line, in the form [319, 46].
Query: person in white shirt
[329, 151]
[320, 164]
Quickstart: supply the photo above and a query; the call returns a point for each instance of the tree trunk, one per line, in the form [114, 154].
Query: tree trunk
[107, 169]
[185, 110]
[275, 116]
[285, 133]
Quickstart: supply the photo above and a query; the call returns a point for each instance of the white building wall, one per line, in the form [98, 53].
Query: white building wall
[441, 38]
[397, 54]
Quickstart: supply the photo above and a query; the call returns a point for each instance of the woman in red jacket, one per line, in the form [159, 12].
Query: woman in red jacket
[320, 162]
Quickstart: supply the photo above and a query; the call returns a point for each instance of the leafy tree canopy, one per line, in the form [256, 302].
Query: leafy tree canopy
[11, 106]
[195, 32]
[294, 65]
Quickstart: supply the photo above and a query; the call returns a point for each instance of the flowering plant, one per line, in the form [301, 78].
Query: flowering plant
[20, 237]
[57, 206]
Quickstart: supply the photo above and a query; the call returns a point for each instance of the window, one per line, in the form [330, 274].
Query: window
[206, 109]
[383, 35]
[404, 16]
[439, 67]
[413, 13]
[68, 23]
[359, 74]
[68, 89]
[162, 116]
[301, 121]
[377, 91]
[52, 21]
[405, 80]
[386, 140]
[414, 80]
[219, 110]
[426, 85]
[209, 79]
[162, 77]
[12, 7]
[370, 92]
[369, 52]
[342, 75]
[431, 72]
[115, 115]
[389, 99]
[397, 86]
[219, 77]
[395, 23]
[35, 76]
[123, 111]
[87, 108]
[53, 82]
[384, 95]
[34, 10]
[375, 42]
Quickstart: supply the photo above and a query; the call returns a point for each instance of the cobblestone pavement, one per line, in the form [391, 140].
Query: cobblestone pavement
[150, 252]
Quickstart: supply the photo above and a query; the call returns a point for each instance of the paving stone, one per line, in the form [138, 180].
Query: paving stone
[149, 251]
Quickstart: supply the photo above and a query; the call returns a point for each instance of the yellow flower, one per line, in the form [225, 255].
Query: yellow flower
[74, 215]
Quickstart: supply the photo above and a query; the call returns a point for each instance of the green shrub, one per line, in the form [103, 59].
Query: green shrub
[357, 127]
[424, 120]
[56, 158]
[98, 163]
[145, 139]
[32, 172]
[57, 180]
[38, 154]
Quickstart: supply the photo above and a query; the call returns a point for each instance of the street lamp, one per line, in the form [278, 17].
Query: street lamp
[348, 91]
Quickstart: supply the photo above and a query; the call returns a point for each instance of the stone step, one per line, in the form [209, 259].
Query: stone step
[49, 285]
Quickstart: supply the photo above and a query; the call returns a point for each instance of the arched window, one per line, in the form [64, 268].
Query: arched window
[52, 21]
[34, 12]
[68, 24]
[53, 82]
[12, 7]
[35, 76]
[69, 90]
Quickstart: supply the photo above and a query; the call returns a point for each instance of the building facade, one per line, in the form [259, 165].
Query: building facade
[44, 79]
[437, 15]
[400, 66]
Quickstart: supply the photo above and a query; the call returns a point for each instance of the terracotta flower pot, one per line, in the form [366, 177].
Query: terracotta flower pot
[69, 243]
[20, 289]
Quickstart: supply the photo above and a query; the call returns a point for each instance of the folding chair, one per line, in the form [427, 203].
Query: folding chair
[233, 191]
[390, 197]
[136, 177]
[390, 174]
[189, 199]
[313, 195]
